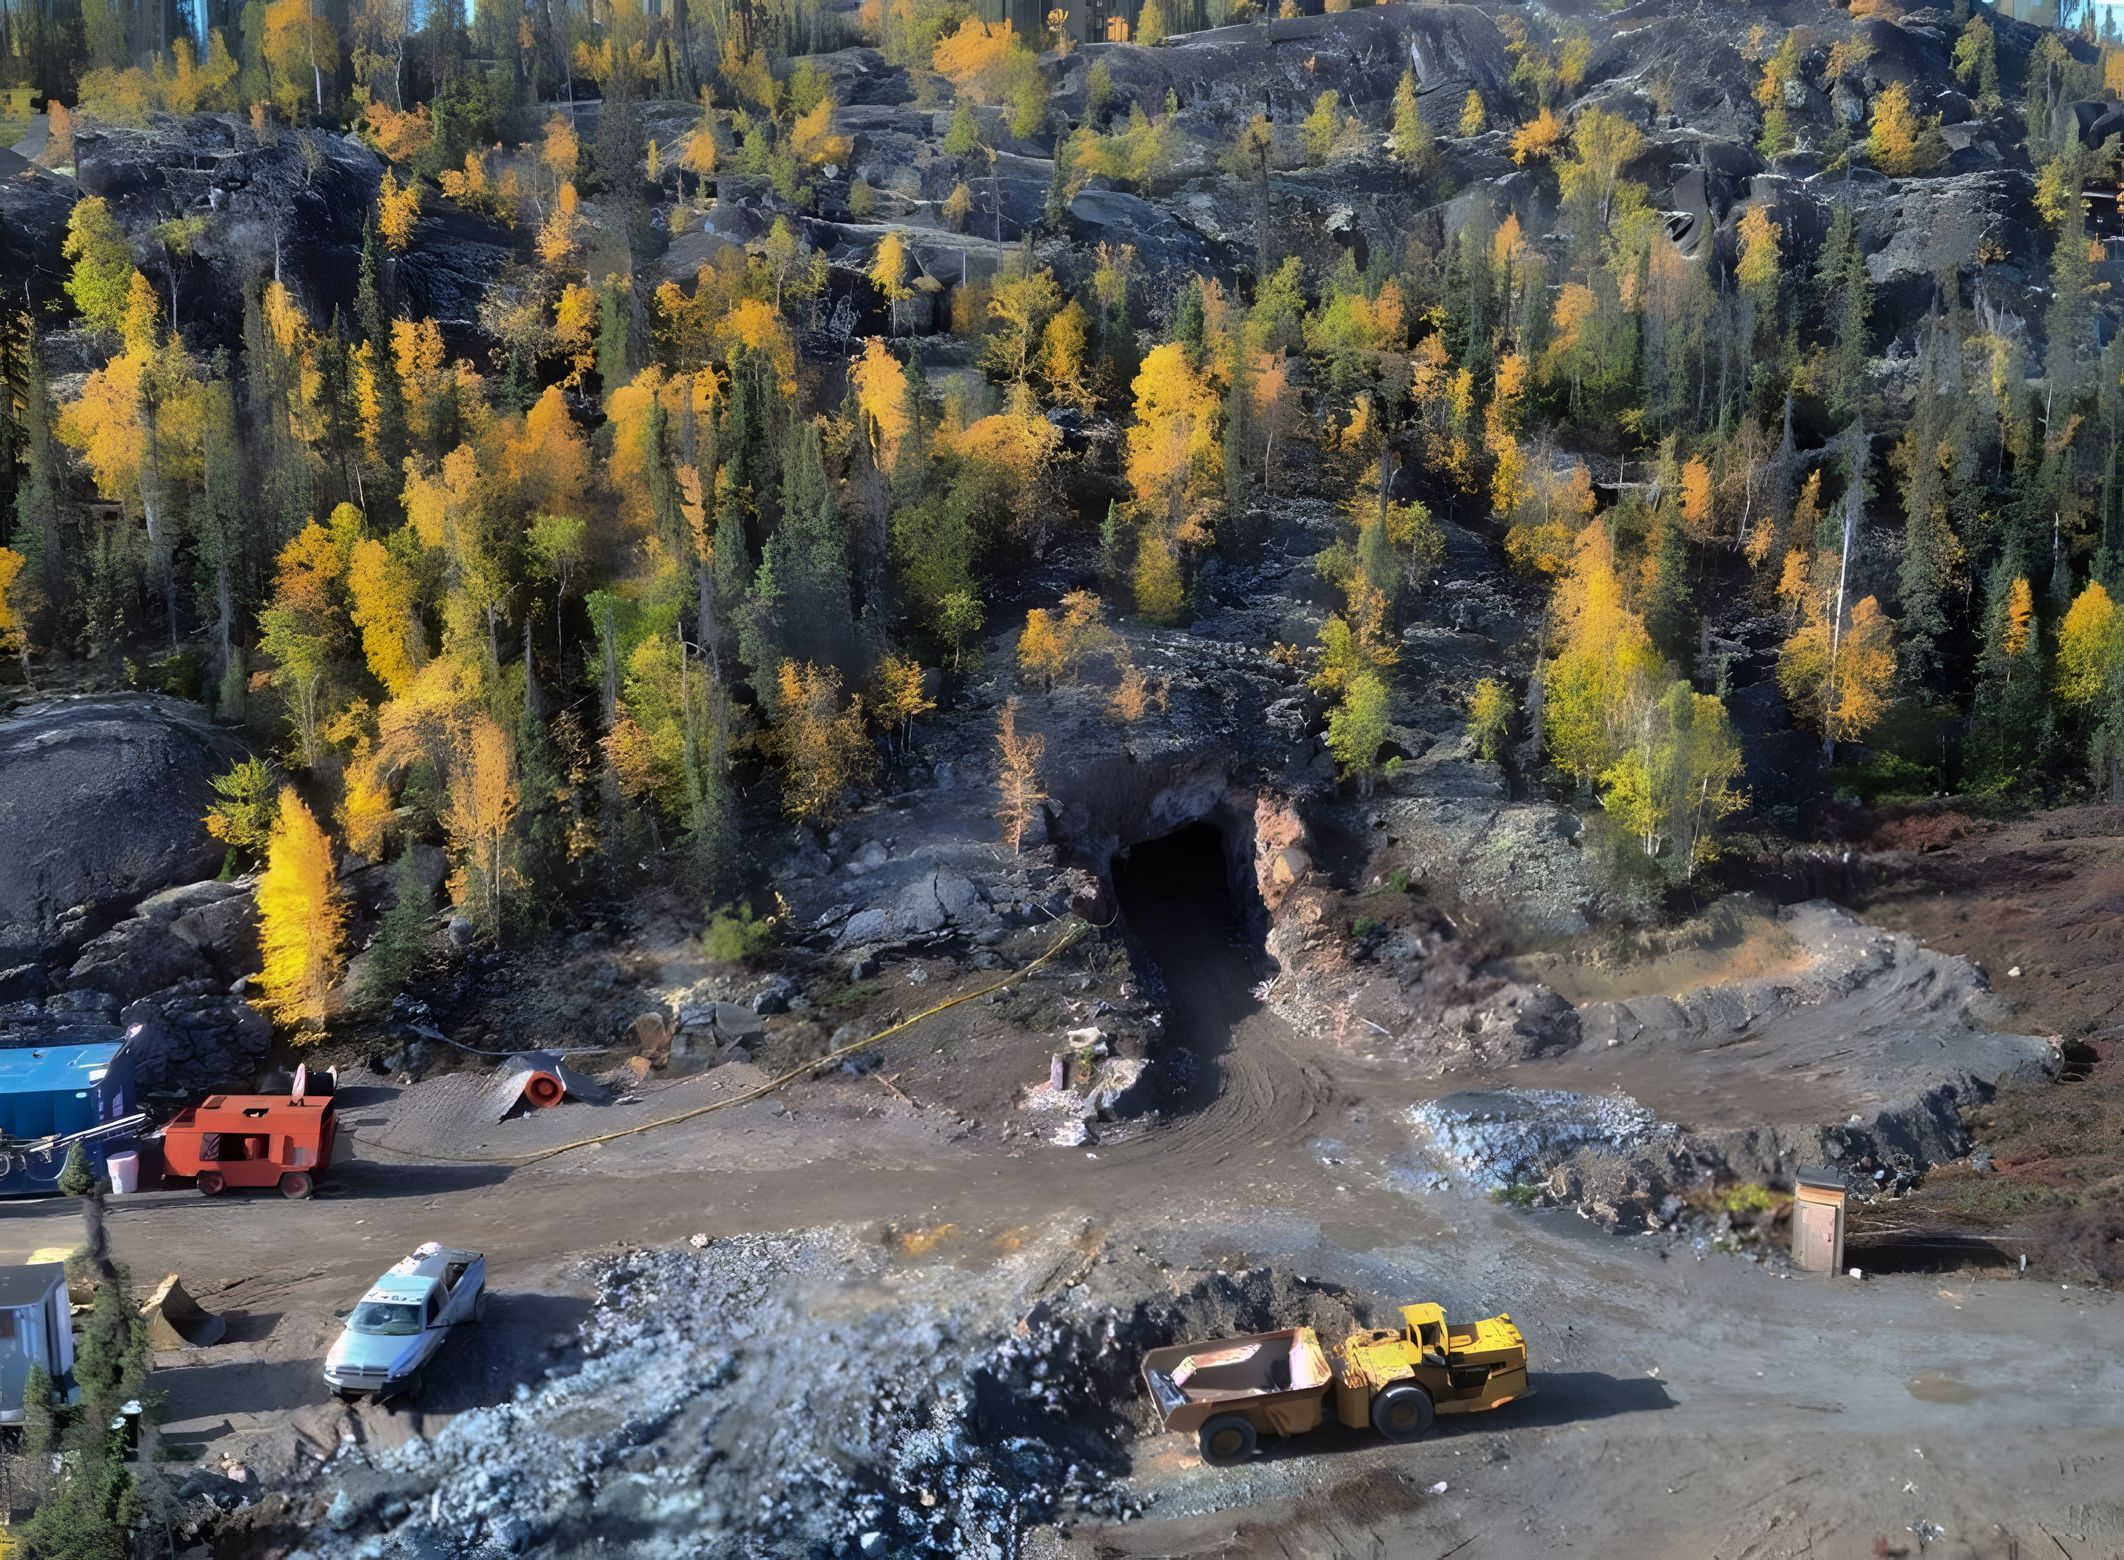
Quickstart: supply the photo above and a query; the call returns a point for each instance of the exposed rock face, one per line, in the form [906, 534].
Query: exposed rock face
[101, 801]
[134, 958]
[295, 200]
[291, 205]
[187, 1044]
[1290, 61]
[33, 211]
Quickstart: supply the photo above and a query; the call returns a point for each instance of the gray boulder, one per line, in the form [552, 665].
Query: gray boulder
[101, 802]
[136, 957]
[226, 932]
[173, 904]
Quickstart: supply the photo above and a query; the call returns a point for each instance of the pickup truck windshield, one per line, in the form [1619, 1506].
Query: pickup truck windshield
[385, 1318]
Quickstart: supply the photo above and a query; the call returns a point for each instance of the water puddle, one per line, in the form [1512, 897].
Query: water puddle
[1932, 1386]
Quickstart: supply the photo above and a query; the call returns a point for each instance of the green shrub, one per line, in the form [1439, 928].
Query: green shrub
[735, 937]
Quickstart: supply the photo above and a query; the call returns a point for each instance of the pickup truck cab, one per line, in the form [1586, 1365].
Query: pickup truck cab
[403, 1319]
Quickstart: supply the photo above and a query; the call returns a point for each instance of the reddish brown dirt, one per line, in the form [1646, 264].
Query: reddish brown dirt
[2038, 905]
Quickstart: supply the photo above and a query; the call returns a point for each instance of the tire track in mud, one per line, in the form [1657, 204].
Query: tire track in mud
[1246, 1097]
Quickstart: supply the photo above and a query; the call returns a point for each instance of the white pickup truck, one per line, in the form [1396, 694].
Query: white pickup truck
[403, 1319]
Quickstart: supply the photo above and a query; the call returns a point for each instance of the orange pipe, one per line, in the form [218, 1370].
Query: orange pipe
[544, 1090]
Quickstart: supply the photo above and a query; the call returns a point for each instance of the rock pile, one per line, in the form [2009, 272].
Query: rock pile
[1508, 1137]
[802, 1394]
[766, 1394]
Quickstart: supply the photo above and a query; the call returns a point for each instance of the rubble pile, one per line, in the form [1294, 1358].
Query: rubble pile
[776, 1391]
[1508, 1137]
[805, 1393]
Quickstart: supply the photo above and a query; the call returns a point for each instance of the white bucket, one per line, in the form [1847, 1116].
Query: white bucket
[125, 1172]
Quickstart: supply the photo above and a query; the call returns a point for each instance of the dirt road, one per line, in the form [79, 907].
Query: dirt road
[1688, 1405]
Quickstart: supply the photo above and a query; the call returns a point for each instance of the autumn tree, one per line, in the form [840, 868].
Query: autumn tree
[1173, 458]
[482, 799]
[1605, 667]
[397, 211]
[1899, 142]
[1019, 795]
[101, 279]
[302, 919]
[818, 743]
[1409, 136]
[1676, 778]
[888, 274]
[15, 592]
[2089, 638]
[1539, 139]
[303, 630]
[899, 698]
[1021, 303]
[1838, 676]
[1357, 729]
[1490, 719]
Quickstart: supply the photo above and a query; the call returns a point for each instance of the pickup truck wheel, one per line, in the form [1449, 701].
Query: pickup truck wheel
[1402, 1412]
[211, 1183]
[294, 1184]
[1227, 1439]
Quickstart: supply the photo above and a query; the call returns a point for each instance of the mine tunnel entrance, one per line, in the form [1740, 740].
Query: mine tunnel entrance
[1195, 924]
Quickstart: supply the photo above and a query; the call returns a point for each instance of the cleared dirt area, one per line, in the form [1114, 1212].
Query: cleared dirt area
[1689, 1403]
[2038, 905]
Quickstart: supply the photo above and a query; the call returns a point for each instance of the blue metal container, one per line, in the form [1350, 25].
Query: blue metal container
[50, 1095]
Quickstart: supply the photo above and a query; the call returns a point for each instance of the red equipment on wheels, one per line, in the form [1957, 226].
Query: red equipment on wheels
[252, 1140]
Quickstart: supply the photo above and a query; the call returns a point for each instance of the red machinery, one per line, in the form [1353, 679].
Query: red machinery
[251, 1140]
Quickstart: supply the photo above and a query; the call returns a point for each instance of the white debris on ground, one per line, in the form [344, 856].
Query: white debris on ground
[1505, 1137]
[784, 1394]
[1086, 1085]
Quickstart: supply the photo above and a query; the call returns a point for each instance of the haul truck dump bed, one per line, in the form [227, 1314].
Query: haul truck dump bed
[1231, 1391]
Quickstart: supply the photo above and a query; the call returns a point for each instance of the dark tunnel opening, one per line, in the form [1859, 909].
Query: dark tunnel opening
[1194, 924]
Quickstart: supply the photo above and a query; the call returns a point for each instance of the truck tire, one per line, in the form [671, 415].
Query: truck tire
[1227, 1439]
[294, 1184]
[212, 1183]
[1402, 1412]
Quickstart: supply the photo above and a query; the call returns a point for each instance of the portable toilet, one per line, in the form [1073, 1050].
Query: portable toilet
[34, 1330]
[1818, 1205]
[52, 1094]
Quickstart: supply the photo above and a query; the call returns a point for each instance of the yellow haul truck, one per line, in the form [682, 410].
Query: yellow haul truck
[1231, 1391]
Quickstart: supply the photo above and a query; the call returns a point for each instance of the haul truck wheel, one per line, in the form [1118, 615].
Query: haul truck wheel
[1402, 1412]
[1227, 1439]
[294, 1184]
[211, 1183]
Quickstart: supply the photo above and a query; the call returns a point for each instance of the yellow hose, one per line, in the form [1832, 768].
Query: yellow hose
[758, 1092]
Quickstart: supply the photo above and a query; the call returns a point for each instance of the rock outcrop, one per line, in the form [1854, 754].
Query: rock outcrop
[101, 802]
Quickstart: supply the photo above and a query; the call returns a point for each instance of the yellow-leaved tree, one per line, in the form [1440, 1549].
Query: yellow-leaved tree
[1019, 796]
[888, 274]
[2088, 643]
[302, 920]
[1837, 678]
[881, 395]
[14, 608]
[481, 805]
[1900, 142]
[1174, 457]
[819, 743]
[1607, 668]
